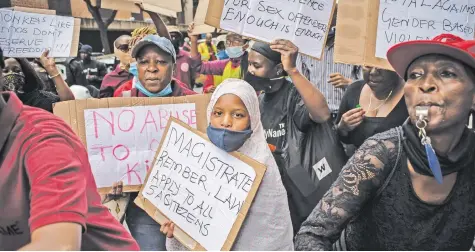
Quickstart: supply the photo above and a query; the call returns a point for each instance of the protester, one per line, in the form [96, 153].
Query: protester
[74, 70]
[22, 79]
[235, 67]
[329, 77]
[49, 197]
[221, 47]
[234, 110]
[372, 105]
[269, 67]
[156, 59]
[184, 71]
[207, 50]
[391, 195]
[120, 74]
[93, 69]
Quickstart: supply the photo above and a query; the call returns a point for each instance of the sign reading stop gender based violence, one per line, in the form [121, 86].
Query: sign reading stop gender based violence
[25, 34]
[405, 20]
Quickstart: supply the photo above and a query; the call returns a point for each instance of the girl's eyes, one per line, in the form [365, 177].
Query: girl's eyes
[235, 115]
[238, 115]
[218, 113]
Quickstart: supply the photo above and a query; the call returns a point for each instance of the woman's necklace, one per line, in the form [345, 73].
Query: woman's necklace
[377, 108]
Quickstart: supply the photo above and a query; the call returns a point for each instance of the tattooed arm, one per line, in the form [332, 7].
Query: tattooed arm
[356, 185]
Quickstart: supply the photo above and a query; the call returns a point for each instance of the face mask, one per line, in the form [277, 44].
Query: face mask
[124, 58]
[133, 69]
[260, 83]
[14, 82]
[176, 44]
[166, 91]
[228, 140]
[234, 52]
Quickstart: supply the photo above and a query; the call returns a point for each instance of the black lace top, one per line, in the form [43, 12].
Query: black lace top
[397, 219]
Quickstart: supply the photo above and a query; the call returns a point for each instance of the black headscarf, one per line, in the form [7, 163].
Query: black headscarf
[266, 51]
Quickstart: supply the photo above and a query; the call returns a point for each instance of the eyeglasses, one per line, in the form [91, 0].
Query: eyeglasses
[123, 48]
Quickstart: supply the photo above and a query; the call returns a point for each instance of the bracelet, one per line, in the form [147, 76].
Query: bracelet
[54, 76]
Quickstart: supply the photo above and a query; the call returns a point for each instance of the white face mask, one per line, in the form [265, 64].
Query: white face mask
[234, 52]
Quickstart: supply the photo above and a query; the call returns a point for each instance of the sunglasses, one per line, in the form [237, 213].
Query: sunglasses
[123, 48]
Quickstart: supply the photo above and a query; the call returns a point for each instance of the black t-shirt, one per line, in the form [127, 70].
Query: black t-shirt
[370, 125]
[274, 111]
[39, 99]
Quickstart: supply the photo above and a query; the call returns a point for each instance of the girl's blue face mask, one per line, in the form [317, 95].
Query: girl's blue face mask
[228, 140]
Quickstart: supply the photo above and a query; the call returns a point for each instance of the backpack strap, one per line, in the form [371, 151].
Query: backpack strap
[340, 244]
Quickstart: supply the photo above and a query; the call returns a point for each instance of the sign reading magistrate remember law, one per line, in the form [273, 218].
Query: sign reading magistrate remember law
[304, 22]
[405, 20]
[29, 34]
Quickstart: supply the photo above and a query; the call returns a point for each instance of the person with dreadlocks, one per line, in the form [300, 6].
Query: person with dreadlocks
[22, 79]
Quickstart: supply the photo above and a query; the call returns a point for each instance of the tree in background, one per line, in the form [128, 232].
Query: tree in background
[102, 24]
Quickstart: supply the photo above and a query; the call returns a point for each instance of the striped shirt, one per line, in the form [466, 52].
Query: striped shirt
[318, 72]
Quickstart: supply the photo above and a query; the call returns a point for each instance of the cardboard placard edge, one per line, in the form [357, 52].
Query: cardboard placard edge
[148, 207]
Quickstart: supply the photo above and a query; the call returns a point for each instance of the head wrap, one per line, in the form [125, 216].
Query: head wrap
[266, 51]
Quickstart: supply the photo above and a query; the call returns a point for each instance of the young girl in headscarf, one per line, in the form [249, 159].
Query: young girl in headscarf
[234, 112]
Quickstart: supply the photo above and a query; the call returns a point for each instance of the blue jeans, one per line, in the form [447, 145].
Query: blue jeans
[144, 229]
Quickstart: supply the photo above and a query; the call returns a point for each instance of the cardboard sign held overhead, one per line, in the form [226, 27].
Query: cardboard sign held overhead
[366, 29]
[127, 5]
[174, 5]
[204, 190]
[28, 35]
[122, 134]
[305, 23]
[200, 17]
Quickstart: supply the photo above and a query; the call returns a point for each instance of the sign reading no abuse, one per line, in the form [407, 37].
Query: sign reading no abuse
[29, 34]
[405, 20]
[304, 22]
[122, 142]
[198, 186]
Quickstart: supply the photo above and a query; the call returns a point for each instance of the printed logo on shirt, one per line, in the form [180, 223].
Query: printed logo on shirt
[185, 67]
[11, 230]
[271, 133]
[322, 169]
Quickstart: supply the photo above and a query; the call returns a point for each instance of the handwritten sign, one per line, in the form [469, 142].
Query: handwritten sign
[404, 20]
[121, 142]
[201, 188]
[305, 22]
[25, 34]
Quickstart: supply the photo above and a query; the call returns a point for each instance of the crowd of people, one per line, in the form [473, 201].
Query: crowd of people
[402, 157]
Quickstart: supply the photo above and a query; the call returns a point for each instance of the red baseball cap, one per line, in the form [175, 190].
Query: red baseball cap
[402, 55]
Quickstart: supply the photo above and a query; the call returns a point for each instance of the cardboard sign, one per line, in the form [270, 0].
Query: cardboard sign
[204, 190]
[200, 17]
[402, 20]
[358, 37]
[131, 6]
[306, 23]
[28, 35]
[123, 134]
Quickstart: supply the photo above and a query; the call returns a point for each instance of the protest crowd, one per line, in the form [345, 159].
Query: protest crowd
[324, 155]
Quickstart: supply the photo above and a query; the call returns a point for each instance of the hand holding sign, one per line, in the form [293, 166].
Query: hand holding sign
[191, 28]
[167, 229]
[288, 51]
[339, 81]
[49, 64]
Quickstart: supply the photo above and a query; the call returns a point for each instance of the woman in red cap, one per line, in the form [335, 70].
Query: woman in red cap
[412, 187]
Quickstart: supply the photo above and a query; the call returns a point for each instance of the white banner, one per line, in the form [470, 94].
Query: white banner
[122, 142]
[29, 34]
[303, 22]
[405, 20]
[198, 186]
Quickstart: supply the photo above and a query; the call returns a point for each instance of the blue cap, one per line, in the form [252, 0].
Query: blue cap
[163, 43]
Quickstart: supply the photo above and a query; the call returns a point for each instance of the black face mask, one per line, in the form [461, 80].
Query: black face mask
[263, 84]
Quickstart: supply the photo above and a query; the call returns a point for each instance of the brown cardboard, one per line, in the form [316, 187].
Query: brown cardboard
[178, 233]
[355, 40]
[120, 5]
[39, 4]
[200, 17]
[174, 5]
[33, 10]
[215, 10]
[72, 112]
